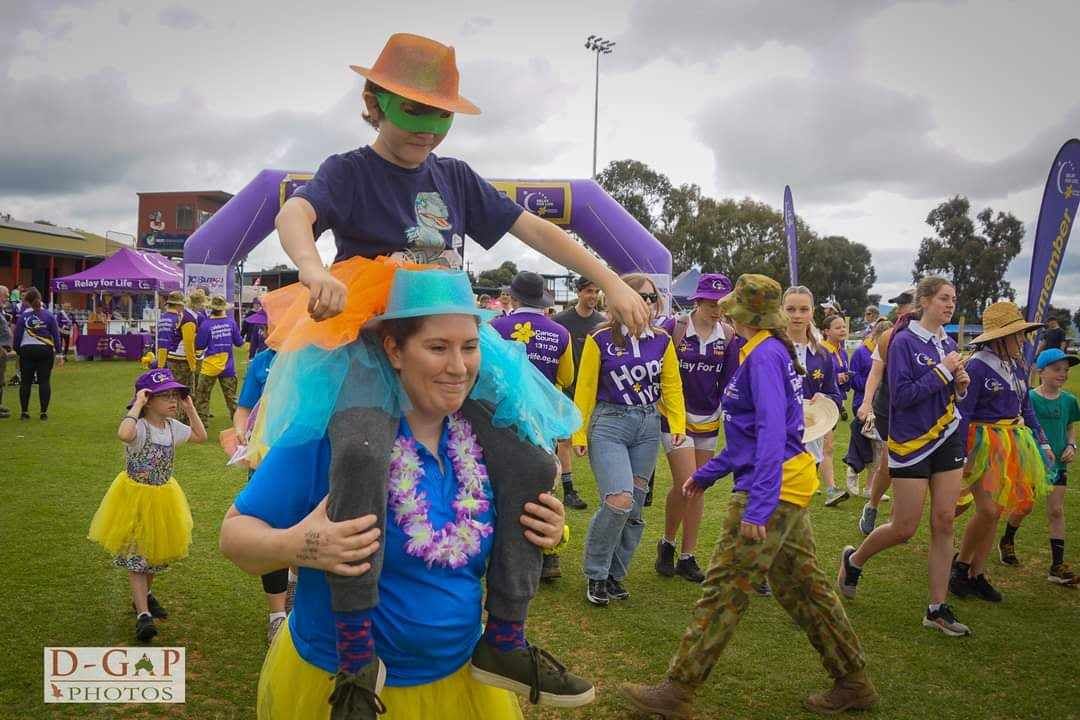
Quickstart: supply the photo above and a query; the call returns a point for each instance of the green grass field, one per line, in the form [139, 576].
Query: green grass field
[59, 589]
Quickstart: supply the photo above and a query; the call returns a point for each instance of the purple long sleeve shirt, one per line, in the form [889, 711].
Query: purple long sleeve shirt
[922, 399]
[997, 392]
[763, 428]
[37, 327]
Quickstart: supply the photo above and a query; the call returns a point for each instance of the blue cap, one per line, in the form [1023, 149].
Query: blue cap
[416, 293]
[1053, 355]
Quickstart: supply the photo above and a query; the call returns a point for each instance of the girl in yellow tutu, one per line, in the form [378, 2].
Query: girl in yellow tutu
[144, 518]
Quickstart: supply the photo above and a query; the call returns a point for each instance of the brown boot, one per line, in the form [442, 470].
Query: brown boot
[853, 692]
[669, 699]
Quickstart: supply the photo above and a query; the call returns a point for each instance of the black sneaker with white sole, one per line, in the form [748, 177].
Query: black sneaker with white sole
[596, 592]
[847, 580]
[616, 591]
[665, 558]
[945, 622]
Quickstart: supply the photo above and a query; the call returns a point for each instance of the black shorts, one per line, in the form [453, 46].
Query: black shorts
[950, 455]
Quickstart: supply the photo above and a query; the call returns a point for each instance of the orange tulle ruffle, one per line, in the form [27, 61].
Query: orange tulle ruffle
[367, 283]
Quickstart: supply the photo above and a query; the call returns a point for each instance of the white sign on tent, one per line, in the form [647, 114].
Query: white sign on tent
[210, 277]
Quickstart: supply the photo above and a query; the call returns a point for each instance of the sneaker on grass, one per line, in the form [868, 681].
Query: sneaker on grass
[834, 496]
[616, 591]
[847, 579]
[688, 568]
[145, 630]
[868, 519]
[596, 592]
[1062, 574]
[984, 590]
[665, 558]
[573, 501]
[944, 621]
[1007, 553]
[531, 672]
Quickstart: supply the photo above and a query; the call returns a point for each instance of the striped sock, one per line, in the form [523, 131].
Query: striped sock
[504, 635]
[355, 643]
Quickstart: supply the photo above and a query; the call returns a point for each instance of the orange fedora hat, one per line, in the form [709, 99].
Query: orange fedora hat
[420, 69]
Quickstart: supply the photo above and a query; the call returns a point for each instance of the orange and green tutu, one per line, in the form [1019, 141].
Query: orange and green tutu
[1004, 460]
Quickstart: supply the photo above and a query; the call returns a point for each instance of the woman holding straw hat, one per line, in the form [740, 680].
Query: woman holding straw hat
[767, 532]
[1007, 452]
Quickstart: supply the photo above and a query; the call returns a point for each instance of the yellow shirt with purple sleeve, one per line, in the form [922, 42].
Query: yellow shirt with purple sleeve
[763, 429]
[427, 621]
[642, 371]
[183, 338]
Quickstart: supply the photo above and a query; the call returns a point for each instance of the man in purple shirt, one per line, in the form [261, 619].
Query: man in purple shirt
[217, 336]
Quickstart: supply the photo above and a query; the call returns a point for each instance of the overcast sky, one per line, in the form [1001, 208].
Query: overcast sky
[873, 111]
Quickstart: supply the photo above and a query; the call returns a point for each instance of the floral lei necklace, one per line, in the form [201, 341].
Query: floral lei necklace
[457, 541]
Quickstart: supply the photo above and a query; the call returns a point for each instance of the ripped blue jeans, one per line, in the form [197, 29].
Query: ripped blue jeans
[623, 444]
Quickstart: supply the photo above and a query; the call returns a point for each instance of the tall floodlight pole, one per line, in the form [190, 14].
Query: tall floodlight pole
[600, 46]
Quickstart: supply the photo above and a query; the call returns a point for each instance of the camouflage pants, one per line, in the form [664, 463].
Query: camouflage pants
[182, 372]
[787, 558]
[202, 394]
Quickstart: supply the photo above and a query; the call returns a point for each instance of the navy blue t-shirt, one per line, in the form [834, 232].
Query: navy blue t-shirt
[375, 207]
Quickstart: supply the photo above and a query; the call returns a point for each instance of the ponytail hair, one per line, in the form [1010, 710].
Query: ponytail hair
[783, 337]
[33, 298]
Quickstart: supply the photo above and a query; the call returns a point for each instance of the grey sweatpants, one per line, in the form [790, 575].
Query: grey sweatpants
[360, 443]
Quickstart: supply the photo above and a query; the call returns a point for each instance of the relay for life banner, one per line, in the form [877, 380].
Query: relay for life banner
[789, 230]
[1056, 217]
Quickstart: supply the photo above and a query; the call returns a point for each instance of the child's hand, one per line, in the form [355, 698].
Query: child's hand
[327, 292]
[141, 398]
[1068, 455]
[627, 307]
[187, 403]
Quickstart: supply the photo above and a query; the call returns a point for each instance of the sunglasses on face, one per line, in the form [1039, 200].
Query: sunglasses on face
[649, 297]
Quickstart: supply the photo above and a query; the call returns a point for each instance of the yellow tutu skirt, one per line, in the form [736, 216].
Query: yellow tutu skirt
[146, 521]
[290, 688]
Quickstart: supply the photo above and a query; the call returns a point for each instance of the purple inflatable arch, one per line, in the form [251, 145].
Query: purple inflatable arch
[581, 206]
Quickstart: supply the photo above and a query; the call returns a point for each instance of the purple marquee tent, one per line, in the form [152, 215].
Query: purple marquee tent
[581, 206]
[128, 271]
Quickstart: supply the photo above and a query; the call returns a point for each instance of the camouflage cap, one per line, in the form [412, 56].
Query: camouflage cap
[175, 298]
[756, 302]
[218, 303]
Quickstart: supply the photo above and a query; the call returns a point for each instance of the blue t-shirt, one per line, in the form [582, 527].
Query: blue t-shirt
[375, 207]
[427, 621]
[258, 370]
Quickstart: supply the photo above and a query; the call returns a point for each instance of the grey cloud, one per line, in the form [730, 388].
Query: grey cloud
[836, 140]
[123, 16]
[474, 25]
[179, 17]
[703, 30]
[35, 15]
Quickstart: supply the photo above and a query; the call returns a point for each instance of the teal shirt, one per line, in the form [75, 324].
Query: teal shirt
[1055, 416]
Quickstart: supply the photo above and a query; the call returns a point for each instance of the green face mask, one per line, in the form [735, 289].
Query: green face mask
[414, 117]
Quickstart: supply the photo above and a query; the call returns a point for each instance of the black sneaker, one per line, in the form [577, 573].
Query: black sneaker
[4, 412]
[847, 580]
[960, 584]
[573, 501]
[356, 696]
[156, 608]
[688, 568]
[596, 592]
[944, 621]
[531, 672]
[44, 416]
[551, 569]
[616, 591]
[1007, 553]
[24, 416]
[665, 558]
[984, 590]
[145, 630]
